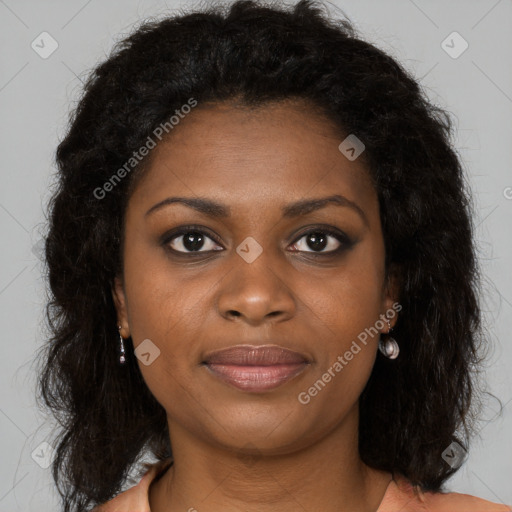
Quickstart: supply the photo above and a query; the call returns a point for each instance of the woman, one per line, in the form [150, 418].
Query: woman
[249, 202]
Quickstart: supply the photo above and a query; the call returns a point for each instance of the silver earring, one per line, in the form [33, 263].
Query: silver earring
[389, 347]
[122, 358]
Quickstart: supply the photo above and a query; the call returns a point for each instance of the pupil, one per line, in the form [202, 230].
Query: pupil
[193, 245]
[317, 241]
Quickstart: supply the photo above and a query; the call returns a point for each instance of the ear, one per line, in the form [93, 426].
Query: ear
[391, 298]
[119, 297]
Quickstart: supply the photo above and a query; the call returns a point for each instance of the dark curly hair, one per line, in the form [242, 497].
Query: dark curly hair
[252, 53]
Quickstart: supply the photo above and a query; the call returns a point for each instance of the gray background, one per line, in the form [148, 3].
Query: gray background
[36, 95]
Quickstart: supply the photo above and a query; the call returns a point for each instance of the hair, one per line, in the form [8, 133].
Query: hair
[254, 54]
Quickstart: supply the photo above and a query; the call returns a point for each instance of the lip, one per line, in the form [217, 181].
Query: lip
[254, 355]
[255, 368]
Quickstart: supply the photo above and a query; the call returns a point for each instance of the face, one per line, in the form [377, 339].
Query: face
[254, 270]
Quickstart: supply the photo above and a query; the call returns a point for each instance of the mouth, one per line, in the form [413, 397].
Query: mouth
[255, 368]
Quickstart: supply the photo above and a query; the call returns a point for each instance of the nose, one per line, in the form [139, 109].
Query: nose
[256, 293]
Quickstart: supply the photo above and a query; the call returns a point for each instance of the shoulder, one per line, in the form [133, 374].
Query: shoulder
[453, 502]
[401, 493]
[136, 498]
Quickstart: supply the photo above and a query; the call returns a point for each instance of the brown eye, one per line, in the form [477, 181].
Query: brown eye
[322, 241]
[190, 240]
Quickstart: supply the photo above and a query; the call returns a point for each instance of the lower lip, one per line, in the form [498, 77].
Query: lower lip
[256, 378]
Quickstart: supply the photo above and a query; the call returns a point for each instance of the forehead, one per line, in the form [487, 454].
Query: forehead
[246, 156]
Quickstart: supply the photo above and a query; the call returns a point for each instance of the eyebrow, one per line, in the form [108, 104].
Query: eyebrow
[303, 207]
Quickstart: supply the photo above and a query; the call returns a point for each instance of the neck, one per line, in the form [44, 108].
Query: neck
[328, 475]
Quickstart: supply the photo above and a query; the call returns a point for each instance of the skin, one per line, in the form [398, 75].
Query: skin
[235, 450]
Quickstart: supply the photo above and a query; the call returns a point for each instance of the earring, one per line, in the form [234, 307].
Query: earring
[122, 357]
[389, 347]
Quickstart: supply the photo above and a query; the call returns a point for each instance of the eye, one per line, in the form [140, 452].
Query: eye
[189, 240]
[322, 241]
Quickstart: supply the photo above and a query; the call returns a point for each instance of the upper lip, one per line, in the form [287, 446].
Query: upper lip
[254, 355]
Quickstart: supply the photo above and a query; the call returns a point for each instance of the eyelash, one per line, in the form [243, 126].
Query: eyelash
[345, 242]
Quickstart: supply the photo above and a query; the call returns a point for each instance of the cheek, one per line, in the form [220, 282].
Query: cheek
[167, 307]
[350, 299]
[346, 311]
[346, 307]
[158, 294]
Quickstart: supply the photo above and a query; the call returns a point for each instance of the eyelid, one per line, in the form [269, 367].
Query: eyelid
[340, 235]
[344, 240]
